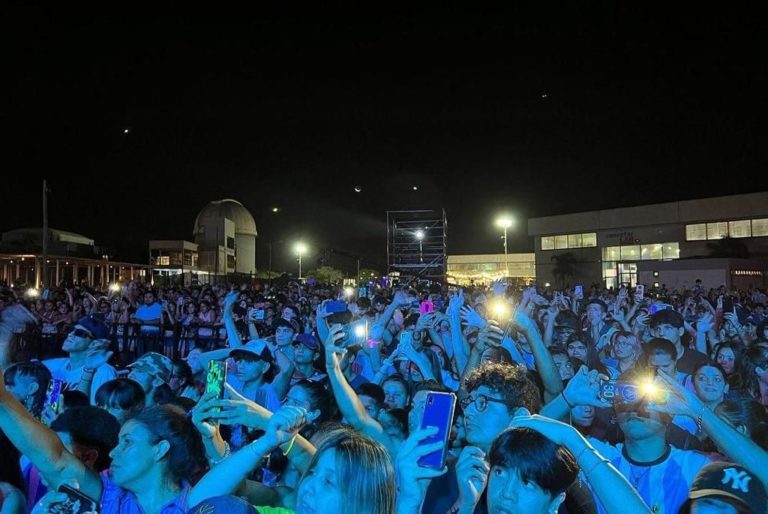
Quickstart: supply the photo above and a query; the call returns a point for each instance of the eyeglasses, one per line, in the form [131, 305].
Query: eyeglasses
[79, 332]
[480, 401]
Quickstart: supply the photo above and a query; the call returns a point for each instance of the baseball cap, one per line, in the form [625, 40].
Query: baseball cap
[282, 322]
[154, 364]
[223, 505]
[307, 340]
[95, 325]
[730, 481]
[256, 347]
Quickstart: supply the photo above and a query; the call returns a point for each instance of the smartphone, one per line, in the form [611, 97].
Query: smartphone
[426, 307]
[77, 502]
[355, 334]
[256, 314]
[578, 291]
[438, 412]
[335, 306]
[362, 292]
[639, 291]
[215, 379]
[54, 397]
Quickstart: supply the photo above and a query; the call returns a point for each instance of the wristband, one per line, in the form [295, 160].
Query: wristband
[570, 405]
[290, 445]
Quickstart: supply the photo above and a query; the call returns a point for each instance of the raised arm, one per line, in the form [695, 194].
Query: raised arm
[282, 382]
[227, 476]
[545, 365]
[233, 336]
[611, 488]
[43, 447]
[350, 405]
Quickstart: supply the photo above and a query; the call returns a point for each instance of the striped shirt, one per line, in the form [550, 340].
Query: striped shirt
[663, 484]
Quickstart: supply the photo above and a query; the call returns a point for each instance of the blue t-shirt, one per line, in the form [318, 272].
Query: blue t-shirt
[116, 500]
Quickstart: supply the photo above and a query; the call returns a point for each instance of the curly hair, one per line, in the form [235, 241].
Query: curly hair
[510, 381]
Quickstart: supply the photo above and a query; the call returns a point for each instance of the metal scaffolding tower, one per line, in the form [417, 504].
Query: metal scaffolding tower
[417, 244]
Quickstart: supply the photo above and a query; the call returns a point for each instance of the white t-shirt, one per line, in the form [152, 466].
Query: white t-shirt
[664, 485]
[60, 370]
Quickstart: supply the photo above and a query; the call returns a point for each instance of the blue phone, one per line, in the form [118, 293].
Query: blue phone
[438, 412]
[335, 306]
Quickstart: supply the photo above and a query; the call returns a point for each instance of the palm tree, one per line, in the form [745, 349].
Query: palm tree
[565, 267]
[728, 247]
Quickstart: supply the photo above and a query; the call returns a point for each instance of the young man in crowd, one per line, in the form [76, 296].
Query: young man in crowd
[78, 344]
[669, 324]
[152, 371]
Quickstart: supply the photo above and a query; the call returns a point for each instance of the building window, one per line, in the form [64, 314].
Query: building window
[163, 260]
[630, 253]
[696, 232]
[231, 243]
[741, 228]
[760, 227]
[651, 252]
[565, 241]
[671, 250]
[612, 253]
[717, 230]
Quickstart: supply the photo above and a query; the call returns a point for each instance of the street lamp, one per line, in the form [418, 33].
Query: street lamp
[300, 250]
[505, 222]
[420, 239]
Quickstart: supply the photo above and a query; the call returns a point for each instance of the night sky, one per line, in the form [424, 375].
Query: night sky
[537, 110]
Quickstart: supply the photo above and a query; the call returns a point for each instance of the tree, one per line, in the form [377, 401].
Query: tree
[326, 275]
[728, 247]
[565, 267]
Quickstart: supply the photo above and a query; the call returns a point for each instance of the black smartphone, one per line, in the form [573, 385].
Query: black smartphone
[77, 502]
[438, 412]
[53, 396]
[215, 379]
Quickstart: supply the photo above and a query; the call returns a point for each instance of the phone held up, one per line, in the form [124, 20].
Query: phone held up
[215, 379]
[438, 412]
[76, 503]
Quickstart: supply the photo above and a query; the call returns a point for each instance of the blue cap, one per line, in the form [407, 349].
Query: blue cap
[94, 324]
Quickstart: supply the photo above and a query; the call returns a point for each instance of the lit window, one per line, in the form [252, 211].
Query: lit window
[630, 253]
[696, 232]
[164, 260]
[612, 253]
[589, 240]
[671, 250]
[561, 242]
[760, 227]
[574, 241]
[741, 228]
[548, 243]
[651, 252]
[717, 230]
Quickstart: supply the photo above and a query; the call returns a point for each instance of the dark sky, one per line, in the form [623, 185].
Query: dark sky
[536, 110]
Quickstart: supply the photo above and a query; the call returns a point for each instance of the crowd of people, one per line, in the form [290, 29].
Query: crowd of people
[581, 400]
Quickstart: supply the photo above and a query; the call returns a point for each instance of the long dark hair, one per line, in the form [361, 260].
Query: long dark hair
[41, 376]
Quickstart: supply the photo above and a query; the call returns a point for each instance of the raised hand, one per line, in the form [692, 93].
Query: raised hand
[679, 400]
[334, 353]
[284, 424]
[230, 300]
[455, 303]
[472, 318]
[556, 431]
[97, 357]
[414, 479]
[491, 335]
[704, 324]
[472, 470]
[584, 388]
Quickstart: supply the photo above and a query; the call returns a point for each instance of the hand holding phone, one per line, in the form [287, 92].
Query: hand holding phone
[76, 503]
[215, 379]
[438, 412]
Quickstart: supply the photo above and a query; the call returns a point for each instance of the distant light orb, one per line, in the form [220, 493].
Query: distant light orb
[419, 235]
[125, 131]
[275, 209]
[358, 189]
[415, 188]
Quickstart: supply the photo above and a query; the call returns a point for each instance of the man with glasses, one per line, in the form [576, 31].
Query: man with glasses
[494, 394]
[78, 344]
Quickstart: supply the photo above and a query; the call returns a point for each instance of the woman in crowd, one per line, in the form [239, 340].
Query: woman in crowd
[121, 397]
[28, 382]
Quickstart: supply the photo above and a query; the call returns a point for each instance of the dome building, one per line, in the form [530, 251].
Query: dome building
[226, 234]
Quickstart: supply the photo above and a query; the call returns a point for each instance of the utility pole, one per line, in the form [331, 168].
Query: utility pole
[44, 282]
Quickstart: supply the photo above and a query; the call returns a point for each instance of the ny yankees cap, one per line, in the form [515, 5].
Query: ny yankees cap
[731, 481]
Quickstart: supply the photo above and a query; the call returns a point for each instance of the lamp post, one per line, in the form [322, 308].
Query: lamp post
[300, 250]
[420, 239]
[505, 222]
